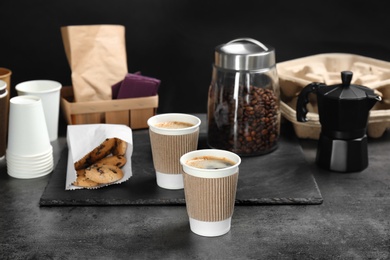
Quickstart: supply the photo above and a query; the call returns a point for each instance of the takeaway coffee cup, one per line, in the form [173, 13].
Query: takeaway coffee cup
[49, 92]
[3, 117]
[5, 75]
[210, 185]
[171, 136]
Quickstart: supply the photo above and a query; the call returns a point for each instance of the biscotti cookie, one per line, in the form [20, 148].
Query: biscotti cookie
[120, 147]
[117, 160]
[83, 181]
[96, 154]
[103, 173]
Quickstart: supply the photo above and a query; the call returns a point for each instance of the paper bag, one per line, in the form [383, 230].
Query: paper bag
[82, 139]
[97, 59]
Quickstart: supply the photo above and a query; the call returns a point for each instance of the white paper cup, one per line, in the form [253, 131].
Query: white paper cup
[24, 164]
[28, 175]
[20, 162]
[210, 193]
[168, 145]
[34, 157]
[27, 132]
[28, 169]
[49, 92]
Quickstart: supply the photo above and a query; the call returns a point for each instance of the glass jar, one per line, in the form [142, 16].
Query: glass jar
[243, 99]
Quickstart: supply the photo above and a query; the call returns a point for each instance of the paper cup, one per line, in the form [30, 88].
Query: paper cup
[210, 193]
[169, 144]
[5, 75]
[28, 175]
[29, 169]
[27, 131]
[49, 92]
[34, 158]
[3, 117]
[22, 162]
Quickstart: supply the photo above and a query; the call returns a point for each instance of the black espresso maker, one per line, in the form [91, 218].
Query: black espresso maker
[343, 110]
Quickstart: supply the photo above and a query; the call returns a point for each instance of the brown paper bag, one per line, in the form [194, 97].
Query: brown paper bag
[97, 58]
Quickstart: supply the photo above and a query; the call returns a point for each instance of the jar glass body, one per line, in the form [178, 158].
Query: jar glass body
[243, 111]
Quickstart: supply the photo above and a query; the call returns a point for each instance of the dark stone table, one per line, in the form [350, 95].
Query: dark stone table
[352, 222]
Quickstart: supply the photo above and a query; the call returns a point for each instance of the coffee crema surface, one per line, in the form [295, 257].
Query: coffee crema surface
[210, 162]
[173, 125]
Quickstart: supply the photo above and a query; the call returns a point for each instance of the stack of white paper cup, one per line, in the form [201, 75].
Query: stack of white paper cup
[49, 92]
[29, 152]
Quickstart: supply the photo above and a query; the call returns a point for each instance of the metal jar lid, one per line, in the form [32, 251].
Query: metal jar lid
[244, 54]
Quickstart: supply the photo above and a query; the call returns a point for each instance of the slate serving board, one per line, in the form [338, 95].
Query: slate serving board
[281, 177]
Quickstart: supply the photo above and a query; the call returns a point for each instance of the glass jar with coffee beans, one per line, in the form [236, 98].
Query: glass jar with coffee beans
[243, 100]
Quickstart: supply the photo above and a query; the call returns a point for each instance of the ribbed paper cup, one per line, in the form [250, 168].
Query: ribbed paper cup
[5, 75]
[3, 117]
[27, 132]
[168, 145]
[210, 193]
[49, 92]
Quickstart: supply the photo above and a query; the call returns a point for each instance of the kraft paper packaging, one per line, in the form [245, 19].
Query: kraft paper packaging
[97, 59]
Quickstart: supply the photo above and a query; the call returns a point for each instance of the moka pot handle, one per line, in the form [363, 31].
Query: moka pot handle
[303, 99]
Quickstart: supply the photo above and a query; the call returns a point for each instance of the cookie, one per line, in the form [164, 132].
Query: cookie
[120, 147]
[104, 149]
[117, 160]
[83, 181]
[103, 173]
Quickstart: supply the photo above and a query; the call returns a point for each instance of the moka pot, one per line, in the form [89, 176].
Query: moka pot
[343, 111]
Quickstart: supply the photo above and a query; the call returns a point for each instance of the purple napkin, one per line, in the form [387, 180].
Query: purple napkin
[115, 89]
[135, 85]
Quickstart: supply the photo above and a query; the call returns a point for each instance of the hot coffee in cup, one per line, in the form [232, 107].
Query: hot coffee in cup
[210, 162]
[173, 124]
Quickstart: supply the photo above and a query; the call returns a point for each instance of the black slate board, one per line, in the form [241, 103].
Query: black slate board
[281, 177]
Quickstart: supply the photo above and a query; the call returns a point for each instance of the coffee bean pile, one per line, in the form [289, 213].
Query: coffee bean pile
[247, 125]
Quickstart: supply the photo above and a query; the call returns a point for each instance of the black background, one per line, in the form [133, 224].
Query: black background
[174, 41]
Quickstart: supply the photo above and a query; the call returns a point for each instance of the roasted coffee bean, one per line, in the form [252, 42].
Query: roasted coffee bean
[247, 124]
